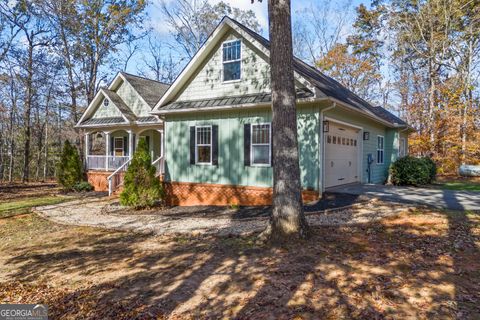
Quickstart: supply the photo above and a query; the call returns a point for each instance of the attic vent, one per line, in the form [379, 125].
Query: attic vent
[106, 102]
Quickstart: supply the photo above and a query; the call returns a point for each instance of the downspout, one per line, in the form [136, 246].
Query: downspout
[321, 180]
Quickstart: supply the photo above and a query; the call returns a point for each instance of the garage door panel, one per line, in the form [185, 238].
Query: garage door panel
[341, 155]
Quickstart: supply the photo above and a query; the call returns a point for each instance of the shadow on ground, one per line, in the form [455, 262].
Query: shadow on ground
[419, 265]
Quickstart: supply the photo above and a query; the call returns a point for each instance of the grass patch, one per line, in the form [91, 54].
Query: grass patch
[12, 208]
[461, 186]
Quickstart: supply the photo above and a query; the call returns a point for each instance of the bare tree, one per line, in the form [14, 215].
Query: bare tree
[192, 21]
[322, 26]
[159, 63]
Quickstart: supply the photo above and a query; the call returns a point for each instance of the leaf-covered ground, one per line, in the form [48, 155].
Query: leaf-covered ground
[419, 264]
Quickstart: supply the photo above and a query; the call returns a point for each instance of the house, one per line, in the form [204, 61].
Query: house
[215, 120]
[116, 119]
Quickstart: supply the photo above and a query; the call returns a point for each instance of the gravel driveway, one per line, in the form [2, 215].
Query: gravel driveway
[94, 213]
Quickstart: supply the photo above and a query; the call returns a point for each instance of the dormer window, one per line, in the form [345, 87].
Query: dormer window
[106, 102]
[232, 60]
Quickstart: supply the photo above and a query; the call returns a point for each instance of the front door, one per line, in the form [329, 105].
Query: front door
[341, 155]
[118, 147]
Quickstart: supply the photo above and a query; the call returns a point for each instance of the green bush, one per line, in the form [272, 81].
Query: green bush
[141, 188]
[83, 186]
[413, 171]
[69, 167]
[432, 168]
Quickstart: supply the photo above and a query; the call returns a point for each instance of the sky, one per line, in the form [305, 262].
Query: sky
[161, 29]
[260, 9]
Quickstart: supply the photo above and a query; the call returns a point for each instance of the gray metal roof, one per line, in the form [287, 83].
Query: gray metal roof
[150, 90]
[115, 98]
[148, 119]
[328, 85]
[230, 101]
[95, 121]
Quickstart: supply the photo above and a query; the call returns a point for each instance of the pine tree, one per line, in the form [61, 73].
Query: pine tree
[70, 167]
[141, 187]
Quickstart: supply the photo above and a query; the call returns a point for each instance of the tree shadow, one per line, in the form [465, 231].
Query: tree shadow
[413, 265]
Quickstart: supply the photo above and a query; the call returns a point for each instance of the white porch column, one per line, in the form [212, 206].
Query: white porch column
[130, 144]
[87, 148]
[107, 149]
[87, 143]
[161, 142]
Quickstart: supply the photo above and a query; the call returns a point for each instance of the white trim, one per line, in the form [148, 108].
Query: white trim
[383, 150]
[231, 61]
[348, 124]
[94, 102]
[269, 164]
[211, 145]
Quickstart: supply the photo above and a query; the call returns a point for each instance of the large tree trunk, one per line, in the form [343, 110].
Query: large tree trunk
[27, 113]
[287, 221]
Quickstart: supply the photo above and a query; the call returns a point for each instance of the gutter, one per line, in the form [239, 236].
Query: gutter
[321, 168]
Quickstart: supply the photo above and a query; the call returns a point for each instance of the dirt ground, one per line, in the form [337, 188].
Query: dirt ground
[20, 191]
[416, 265]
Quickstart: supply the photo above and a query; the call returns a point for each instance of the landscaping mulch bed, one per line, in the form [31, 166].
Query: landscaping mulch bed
[330, 201]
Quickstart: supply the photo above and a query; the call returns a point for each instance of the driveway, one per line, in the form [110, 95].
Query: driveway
[442, 199]
[99, 213]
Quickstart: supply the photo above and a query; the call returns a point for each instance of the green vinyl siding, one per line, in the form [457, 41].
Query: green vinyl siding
[133, 100]
[103, 111]
[231, 169]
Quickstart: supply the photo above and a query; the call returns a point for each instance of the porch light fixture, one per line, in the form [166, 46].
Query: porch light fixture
[366, 135]
[326, 126]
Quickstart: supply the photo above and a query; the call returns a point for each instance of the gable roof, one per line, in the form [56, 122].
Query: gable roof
[118, 102]
[150, 90]
[325, 84]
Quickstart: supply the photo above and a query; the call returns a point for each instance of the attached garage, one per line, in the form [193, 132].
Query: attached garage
[342, 153]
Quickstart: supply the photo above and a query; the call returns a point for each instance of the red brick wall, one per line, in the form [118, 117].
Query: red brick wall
[191, 194]
[98, 179]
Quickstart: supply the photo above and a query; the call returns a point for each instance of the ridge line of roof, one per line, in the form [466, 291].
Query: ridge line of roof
[144, 78]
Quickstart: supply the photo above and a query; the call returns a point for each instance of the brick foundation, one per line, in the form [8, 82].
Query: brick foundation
[98, 179]
[191, 194]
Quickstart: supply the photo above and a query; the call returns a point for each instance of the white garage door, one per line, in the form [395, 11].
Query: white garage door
[341, 155]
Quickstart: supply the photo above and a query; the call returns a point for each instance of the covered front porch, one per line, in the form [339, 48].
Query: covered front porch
[109, 151]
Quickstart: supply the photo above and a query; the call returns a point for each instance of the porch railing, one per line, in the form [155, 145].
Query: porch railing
[115, 180]
[159, 165]
[105, 162]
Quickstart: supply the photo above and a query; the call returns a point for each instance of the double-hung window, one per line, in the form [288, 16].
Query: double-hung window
[203, 144]
[261, 144]
[232, 60]
[380, 149]
[403, 147]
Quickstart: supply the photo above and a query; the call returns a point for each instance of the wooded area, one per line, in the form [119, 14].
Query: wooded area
[418, 58]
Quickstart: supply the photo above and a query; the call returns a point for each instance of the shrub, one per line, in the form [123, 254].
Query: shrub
[141, 188]
[432, 168]
[413, 171]
[69, 167]
[83, 186]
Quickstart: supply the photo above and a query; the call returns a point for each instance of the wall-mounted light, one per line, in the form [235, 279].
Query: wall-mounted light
[326, 126]
[366, 135]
